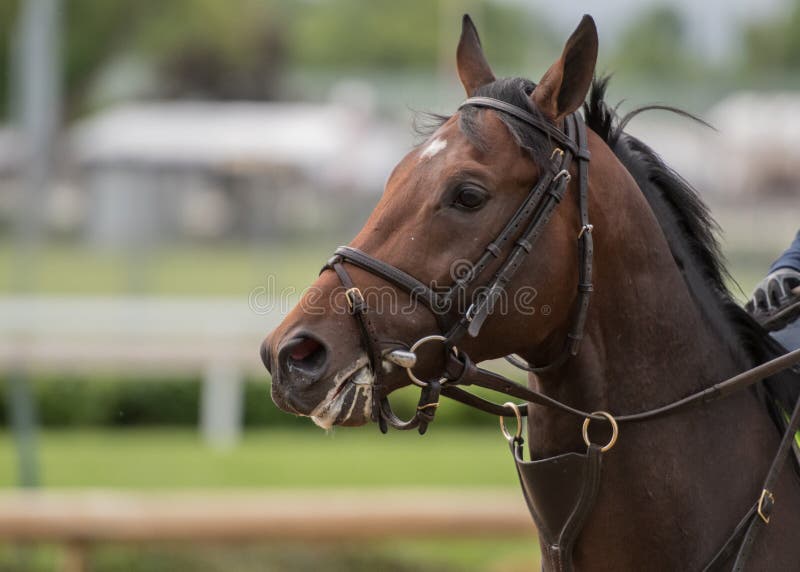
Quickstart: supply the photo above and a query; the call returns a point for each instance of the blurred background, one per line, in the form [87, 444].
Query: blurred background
[172, 174]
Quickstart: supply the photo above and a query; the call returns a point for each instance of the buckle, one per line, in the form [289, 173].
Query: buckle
[562, 174]
[765, 508]
[350, 294]
[470, 313]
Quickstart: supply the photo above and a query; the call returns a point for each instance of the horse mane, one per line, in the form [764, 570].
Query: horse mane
[691, 234]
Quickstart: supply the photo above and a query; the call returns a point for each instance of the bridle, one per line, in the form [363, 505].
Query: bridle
[519, 235]
[572, 479]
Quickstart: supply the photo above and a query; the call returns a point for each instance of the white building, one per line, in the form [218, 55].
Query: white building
[208, 169]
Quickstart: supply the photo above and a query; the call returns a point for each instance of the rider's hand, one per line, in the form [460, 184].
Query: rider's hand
[774, 292]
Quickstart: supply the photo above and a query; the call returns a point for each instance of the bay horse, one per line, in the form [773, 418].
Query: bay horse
[510, 169]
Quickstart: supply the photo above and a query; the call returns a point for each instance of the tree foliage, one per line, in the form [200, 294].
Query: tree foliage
[654, 45]
[379, 33]
[239, 48]
[774, 44]
[8, 16]
[386, 34]
[92, 33]
[202, 47]
[221, 50]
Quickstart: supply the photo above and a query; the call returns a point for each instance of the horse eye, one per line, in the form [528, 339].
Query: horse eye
[470, 198]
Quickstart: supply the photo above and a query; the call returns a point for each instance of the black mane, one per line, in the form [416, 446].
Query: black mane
[691, 234]
[689, 213]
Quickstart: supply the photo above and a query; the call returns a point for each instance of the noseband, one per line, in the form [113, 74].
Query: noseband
[518, 237]
[560, 491]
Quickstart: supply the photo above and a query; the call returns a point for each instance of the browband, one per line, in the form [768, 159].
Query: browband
[533, 120]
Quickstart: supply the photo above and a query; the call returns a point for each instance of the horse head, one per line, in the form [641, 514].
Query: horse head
[443, 204]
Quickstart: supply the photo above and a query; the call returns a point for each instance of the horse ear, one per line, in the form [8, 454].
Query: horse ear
[473, 69]
[564, 86]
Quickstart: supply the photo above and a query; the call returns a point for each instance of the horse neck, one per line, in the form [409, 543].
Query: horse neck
[648, 343]
[647, 340]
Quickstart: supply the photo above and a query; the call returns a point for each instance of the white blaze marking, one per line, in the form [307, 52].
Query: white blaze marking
[433, 148]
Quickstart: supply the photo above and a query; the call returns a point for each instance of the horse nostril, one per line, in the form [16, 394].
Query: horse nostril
[307, 352]
[306, 355]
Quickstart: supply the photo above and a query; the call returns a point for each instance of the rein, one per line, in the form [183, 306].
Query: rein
[560, 491]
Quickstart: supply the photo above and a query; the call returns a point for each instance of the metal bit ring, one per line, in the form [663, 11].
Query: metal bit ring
[515, 408]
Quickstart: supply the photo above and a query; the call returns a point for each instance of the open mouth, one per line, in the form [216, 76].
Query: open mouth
[352, 392]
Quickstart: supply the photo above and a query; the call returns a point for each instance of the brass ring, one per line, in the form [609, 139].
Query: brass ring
[518, 415]
[614, 430]
[420, 342]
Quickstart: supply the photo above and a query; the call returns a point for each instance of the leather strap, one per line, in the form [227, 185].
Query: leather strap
[766, 501]
[360, 311]
[524, 244]
[729, 548]
[757, 517]
[415, 288]
[512, 228]
[543, 486]
[467, 373]
[535, 121]
[585, 245]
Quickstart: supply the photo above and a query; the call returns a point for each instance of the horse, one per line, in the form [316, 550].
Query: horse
[561, 200]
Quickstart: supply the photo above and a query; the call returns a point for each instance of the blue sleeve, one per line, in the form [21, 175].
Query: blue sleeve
[790, 258]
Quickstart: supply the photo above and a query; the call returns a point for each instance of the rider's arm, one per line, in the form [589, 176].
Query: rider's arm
[790, 258]
[779, 290]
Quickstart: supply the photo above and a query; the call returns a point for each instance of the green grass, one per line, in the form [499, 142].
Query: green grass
[166, 459]
[235, 269]
[170, 459]
[433, 555]
[203, 271]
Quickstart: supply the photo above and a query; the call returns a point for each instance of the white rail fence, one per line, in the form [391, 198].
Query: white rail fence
[217, 338]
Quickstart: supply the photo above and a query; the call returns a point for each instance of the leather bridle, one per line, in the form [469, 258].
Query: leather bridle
[518, 237]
